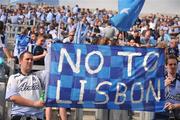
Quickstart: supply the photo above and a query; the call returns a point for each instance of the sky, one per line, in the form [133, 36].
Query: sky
[151, 6]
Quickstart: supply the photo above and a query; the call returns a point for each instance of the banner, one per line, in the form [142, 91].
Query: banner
[107, 77]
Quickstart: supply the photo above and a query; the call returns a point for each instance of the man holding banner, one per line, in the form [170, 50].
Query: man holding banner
[24, 89]
[172, 83]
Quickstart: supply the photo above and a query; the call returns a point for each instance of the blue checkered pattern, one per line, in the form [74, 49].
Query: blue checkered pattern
[114, 70]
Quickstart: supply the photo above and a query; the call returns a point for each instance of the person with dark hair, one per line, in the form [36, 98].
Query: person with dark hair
[172, 91]
[24, 90]
[3, 50]
[173, 48]
[3, 47]
[134, 36]
[148, 40]
[38, 51]
[109, 31]
[70, 38]
[172, 84]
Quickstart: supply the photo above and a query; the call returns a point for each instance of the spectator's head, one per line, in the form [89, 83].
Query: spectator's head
[48, 36]
[71, 21]
[132, 43]
[147, 35]
[147, 27]
[108, 23]
[24, 31]
[33, 29]
[71, 36]
[173, 43]
[135, 33]
[26, 62]
[52, 27]
[33, 37]
[161, 32]
[40, 40]
[171, 64]
[84, 19]
[102, 41]
[120, 36]
[110, 42]
[163, 44]
[41, 31]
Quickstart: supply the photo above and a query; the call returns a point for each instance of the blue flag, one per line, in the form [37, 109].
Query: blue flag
[128, 13]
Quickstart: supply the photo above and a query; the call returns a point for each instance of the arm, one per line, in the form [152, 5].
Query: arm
[26, 102]
[7, 53]
[171, 106]
[38, 57]
[13, 95]
[177, 106]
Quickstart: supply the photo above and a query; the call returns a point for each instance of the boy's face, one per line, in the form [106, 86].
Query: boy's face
[172, 66]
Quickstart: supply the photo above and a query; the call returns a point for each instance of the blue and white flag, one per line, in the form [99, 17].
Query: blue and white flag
[128, 13]
[108, 77]
[80, 33]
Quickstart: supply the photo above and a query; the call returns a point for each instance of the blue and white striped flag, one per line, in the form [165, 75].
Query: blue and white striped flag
[80, 33]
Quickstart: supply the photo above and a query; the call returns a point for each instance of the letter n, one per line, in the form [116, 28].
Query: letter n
[74, 67]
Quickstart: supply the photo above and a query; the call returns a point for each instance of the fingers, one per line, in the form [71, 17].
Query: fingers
[166, 105]
[39, 104]
[168, 81]
[169, 106]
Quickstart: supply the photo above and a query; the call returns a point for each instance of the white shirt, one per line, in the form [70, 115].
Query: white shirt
[53, 33]
[66, 40]
[75, 10]
[28, 87]
[49, 17]
[3, 18]
[2, 45]
[14, 19]
[58, 17]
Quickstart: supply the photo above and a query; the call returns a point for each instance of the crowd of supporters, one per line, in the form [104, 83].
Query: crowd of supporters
[67, 24]
[90, 27]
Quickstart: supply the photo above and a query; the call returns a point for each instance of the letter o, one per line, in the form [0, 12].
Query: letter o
[89, 70]
[145, 61]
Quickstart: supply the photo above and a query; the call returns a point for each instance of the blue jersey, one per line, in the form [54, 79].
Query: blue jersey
[21, 44]
[173, 93]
